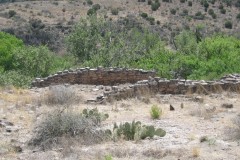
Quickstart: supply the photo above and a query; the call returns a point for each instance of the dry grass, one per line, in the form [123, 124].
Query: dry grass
[60, 95]
[195, 151]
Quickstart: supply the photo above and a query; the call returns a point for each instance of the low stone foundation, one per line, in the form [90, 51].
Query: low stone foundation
[230, 83]
[141, 82]
[99, 76]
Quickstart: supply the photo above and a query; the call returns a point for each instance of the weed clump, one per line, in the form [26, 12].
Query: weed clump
[65, 123]
[155, 112]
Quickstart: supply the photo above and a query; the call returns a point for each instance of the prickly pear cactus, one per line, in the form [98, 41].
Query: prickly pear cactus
[160, 132]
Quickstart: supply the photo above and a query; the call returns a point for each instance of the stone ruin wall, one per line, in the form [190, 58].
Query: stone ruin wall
[99, 76]
[142, 82]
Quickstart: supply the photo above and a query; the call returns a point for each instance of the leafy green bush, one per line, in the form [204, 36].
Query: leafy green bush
[114, 11]
[210, 12]
[155, 112]
[11, 13]
[97, 42]
[144, 15]
[199, 16]
[238, 16]
[14, 78]
[190, 3]
[89, 2]
[33, 61]
[155, 5]
[151, 20]
[8, 44]
[223, 11]
[91, 11]
[228, 24]
[96, 7]
[173, 11]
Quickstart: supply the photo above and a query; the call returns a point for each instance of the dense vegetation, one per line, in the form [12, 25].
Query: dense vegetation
[97, 42]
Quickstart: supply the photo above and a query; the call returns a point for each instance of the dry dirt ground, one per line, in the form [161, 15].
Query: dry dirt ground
[194, 117]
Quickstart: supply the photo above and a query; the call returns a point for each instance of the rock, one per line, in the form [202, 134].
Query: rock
[171, 108]
[182, 105]
[227, 105]
[199, 99]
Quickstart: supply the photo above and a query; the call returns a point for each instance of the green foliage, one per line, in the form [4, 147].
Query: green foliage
[11, 13]
[155, 5]
[238, 16]
[89, 2]
[135, 131]
[91, 11]
[114, 11]
[97, 42]
[155, 112]
[144, 15]
[93, 114]
[96, 7]
[151, 20]
[223, 11]
[228, 24]
[190, 3]
[199, 16]
[8, 44]
[33, 61]
[14, 78]
[173, 11]
[218, 55]
[108, 157]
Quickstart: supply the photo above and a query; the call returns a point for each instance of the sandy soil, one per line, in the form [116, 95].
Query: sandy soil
[200, 115]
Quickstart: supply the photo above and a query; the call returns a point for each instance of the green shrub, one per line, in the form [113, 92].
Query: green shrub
[238, 16]
[223, 11]
[210, 12]
[155, 112]
[14, 78]
[34, 61]
[182, 1]
[96, 7]
[155, 6]
[199, 16]
[144, 15]
[114, 11]
[173, 11]
[189, 3]
[221, 7]
[149, 2]
[91, 11]
[89, 2]
[8, 44]
[151, 20]
[11, 13]
[214, 16]
[228, 24]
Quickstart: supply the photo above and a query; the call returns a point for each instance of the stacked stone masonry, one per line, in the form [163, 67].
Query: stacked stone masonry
[142, 82]
[99, 76]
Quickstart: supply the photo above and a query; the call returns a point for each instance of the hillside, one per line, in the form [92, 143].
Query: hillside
[168, 17]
